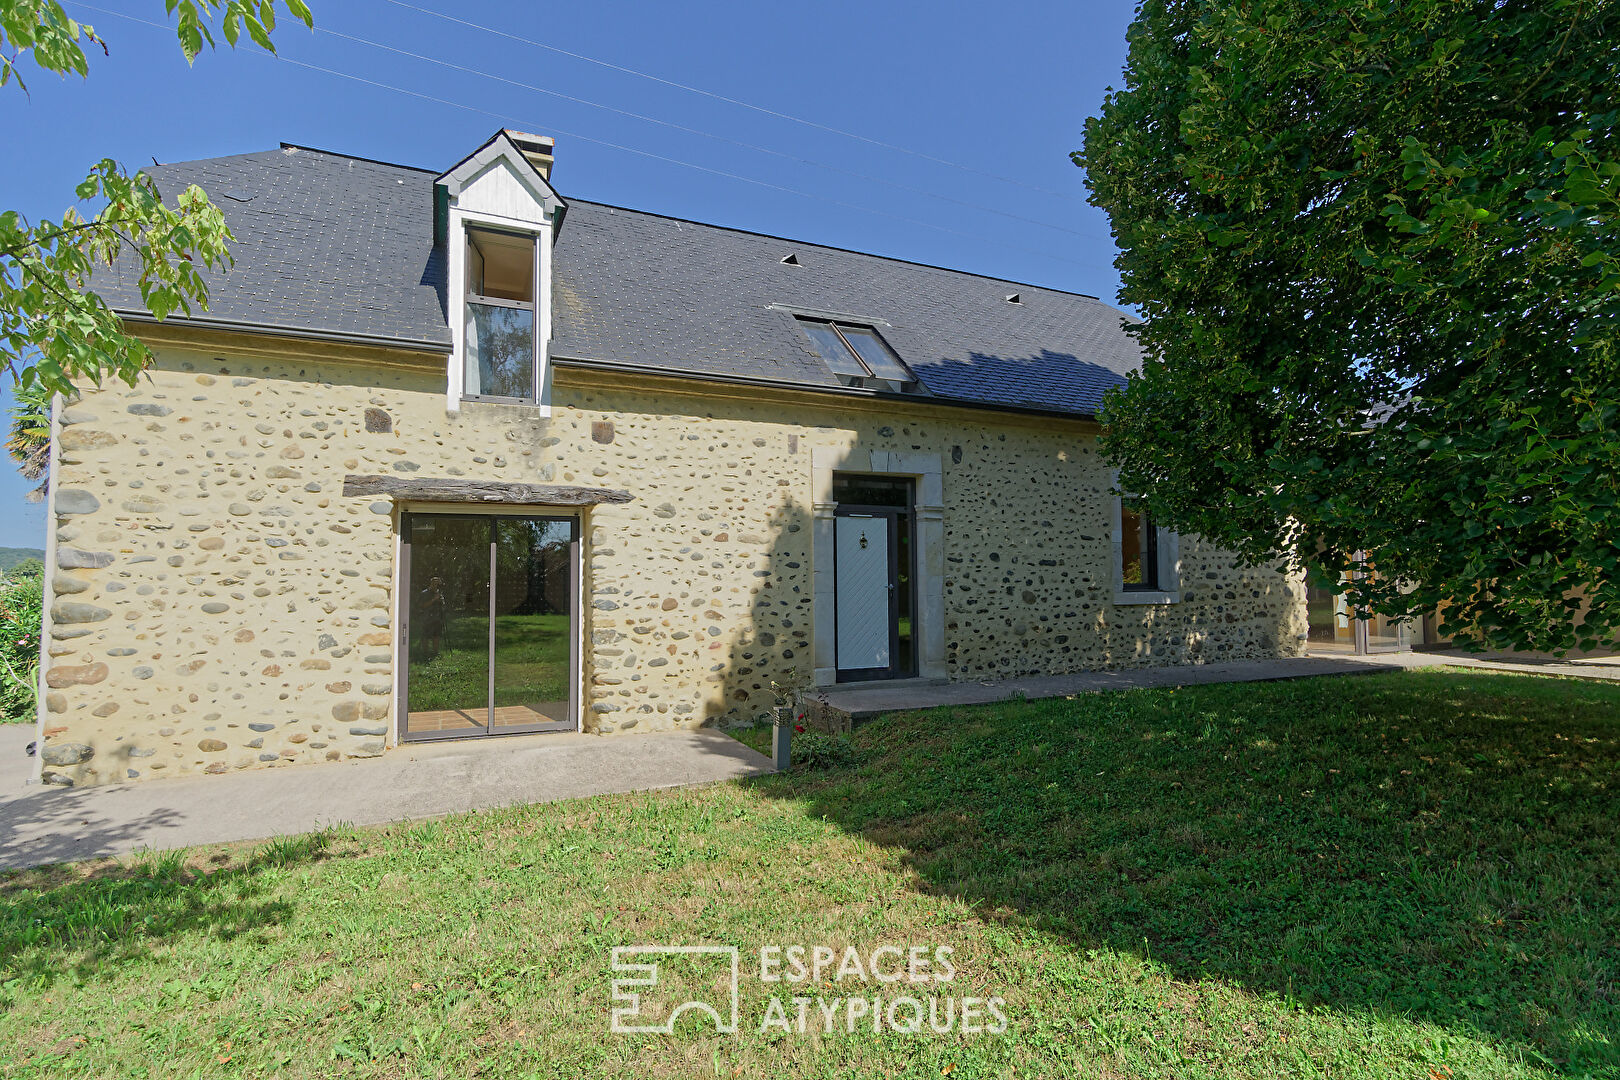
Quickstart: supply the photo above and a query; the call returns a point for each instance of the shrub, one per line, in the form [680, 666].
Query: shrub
[29, 567]
[21, 604]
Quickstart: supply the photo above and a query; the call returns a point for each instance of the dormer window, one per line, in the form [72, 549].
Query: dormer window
[858, 354]
[501, 361]
[496, 214]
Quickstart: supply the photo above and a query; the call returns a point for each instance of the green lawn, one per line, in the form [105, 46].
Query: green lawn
[1411, 875]
[759, 737]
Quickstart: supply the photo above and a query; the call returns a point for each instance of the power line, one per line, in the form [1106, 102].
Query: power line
[507, 119]
[733, 101]
[865, 177]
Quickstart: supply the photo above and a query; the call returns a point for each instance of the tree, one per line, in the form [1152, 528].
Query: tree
[1377, 250]
[29, 443]
[27, 568]
[53, 329]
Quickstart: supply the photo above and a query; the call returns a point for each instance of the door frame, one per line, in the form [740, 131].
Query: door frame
[401, 632]
[893, 514]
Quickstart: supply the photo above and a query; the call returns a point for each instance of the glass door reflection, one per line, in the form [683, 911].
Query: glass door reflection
[533, 624]
[491, 625]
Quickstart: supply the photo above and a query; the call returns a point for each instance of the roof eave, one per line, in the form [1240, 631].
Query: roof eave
[591, 363]
[268, 330]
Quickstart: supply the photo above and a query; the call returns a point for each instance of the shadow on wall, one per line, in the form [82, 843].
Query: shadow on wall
[773, 654]
[1209, 624]
[775, 643]
[1425, 847]
[1224, 614]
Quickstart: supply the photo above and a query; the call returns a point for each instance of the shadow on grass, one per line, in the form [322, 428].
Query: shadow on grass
[1435, 846]
[81, 921]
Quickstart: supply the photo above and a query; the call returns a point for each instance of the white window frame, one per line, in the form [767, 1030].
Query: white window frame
[459, 222]
[1169, 551]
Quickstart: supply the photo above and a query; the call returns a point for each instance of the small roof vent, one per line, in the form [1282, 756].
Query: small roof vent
[790, 259]
[239, 194]
[1013, 298]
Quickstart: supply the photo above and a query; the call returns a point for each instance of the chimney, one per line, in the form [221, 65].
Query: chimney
[541, 150]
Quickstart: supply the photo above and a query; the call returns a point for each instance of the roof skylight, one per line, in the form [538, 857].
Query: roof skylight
[857, 352]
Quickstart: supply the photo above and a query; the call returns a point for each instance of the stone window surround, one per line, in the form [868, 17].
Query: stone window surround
[927, 472]
[1169, 546]
[401, 650]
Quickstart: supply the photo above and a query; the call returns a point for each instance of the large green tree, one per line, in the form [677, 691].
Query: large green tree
[53, 329]
[1377, 249]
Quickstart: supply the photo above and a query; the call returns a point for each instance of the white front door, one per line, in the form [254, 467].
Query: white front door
[863, 585]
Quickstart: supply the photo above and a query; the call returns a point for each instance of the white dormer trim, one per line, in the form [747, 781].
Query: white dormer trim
[500, 148]
[497, 186]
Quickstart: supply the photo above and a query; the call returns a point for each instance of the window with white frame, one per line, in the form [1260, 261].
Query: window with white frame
[501, 360]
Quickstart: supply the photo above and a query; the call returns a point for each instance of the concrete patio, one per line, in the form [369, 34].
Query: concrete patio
[858, 701]
[41, 825]
[1600, 668]
[840, 705]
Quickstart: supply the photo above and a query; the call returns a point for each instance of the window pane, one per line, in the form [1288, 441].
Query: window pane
[869, 347]
[533, 605]
[448, 642]
[833, 350]
[500, 351]
[500, 265]
[906, 659]
[857, 490]
[1130, 545]
[1138, 553]
[1328, 616]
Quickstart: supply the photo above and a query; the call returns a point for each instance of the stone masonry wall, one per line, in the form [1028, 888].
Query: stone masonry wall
[1030, 582]
[220, 605]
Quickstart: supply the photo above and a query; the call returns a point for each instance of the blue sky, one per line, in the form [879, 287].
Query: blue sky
[936, 132]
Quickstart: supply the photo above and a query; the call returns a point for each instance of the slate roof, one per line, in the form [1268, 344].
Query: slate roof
[337, 245]
[323, 242]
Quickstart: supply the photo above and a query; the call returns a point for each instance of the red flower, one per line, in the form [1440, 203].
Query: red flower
[799, 728]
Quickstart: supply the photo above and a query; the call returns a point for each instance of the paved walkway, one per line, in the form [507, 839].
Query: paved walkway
[1604, 668]
[47, 824]
[43, 825]
[857, 701]
[861, 700]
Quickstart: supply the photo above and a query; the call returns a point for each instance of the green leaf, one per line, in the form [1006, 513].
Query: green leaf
[1309, 247]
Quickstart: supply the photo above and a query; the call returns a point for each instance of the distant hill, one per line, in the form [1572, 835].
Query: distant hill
[10, 557]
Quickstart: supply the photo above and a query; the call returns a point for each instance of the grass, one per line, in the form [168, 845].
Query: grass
[758, 737]
[1406, 875]
[531, 663]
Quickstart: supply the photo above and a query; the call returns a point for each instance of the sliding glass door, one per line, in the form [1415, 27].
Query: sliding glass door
[1335, 628]
[491, 611]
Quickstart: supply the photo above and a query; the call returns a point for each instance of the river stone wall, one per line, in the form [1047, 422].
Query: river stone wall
[218, 604]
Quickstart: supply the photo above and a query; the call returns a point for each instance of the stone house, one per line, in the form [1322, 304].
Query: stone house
[451, 456]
